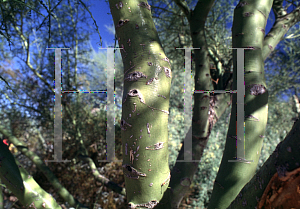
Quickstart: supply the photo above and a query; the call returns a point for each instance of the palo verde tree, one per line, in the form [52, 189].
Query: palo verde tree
[148, 74]
[145, 82]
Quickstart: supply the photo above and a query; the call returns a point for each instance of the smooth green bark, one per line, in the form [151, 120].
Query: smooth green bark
[280, 28]
[250, 18]
[23, 186]
[145, 105]
[183, 172]
[62, 191]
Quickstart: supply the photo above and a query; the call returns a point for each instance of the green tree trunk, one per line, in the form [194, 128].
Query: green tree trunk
[284, 161]
[145, 106]
[202, 123]
[17, 180]
[248, 30]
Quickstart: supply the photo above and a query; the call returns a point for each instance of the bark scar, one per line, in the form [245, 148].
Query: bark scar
[131, 172]
[157, 146]
[145, 5]
[256, 89]
[251, 116]
[150, 204]
[135, 76]
[131, 156]
[122, 22]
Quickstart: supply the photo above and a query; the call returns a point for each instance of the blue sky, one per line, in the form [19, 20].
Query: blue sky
[101, 13]
[104, 19]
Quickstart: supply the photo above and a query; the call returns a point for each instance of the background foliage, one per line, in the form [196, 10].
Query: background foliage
[28, 115]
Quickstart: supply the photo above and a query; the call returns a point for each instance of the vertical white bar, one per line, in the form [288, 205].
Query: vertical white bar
[188, 107]
[110, 134]
[57, 109]
[240, 105]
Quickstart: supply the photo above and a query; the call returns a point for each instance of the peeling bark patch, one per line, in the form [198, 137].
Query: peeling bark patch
[135, 76]
[134, 107]
[241, 4]
[150, 204]
[148, 128]
[167, 60]
[262, 30]
[131, 156]
[123, 123]
[167, 180]
[122, 22]
[134, 93]
[248, 14]
[162, 96]
[167, 72]
[251, 116]
[131, 172]
[145, 5]
[270, 47]
[281, 192]
[157, 146]
[257, 89]
[149, 81]
[164, 111]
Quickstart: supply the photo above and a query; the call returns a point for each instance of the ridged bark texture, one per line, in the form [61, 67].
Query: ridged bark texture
[250, 18]
[145, 105]
[276, 171]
